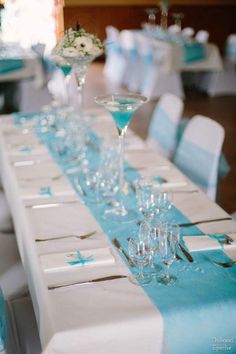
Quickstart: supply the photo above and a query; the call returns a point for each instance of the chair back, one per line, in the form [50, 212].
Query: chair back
[231, 48]
[187, 32]
[162, 134]
[112, 33]
[202, 36]
[174, 29]
[199, 152]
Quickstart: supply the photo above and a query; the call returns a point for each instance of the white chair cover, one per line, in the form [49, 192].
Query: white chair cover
[162, 134]
[174, 29]
[5, 215]
[130, 56]
[115, 63]
[202, 36]
[187, 32]
[199, 151]
[12, 276]
[141, 64]
[157, 81]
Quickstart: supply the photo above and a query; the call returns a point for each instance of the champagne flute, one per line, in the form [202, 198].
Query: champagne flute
[167, 247]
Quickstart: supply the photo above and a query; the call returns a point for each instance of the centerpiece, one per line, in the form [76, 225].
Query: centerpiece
[78, 48]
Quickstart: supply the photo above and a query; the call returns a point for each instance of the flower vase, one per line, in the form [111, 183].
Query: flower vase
[80, 67]
[164, 6]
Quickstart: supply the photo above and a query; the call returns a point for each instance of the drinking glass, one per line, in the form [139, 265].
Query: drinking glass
[164, 202]
[140, 250]
[147, 198]
[122, 108]
[167, 247]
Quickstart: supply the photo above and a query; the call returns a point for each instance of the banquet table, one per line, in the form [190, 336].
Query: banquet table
[31, 67]
[174, 58]
[191, 317]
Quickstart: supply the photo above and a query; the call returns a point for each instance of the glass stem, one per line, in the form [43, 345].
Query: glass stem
[80, 99]
[140, 270]
[121, 166]
[167, 272]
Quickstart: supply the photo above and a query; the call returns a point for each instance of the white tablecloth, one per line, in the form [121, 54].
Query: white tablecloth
[108, 317]
[173, 60]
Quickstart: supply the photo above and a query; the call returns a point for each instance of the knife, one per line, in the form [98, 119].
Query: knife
[117, 244]
[203, 222]
[88, 282]
[186, 253]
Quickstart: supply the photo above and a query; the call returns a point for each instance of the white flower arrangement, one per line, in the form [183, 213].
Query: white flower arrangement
[79, 44]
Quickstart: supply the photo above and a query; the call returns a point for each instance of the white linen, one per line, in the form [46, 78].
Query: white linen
[108, 317]
[65, 219]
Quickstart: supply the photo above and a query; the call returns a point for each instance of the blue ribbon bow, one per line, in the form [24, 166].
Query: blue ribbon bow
[81, 260]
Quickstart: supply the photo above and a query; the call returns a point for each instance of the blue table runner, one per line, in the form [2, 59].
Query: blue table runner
[199, 311]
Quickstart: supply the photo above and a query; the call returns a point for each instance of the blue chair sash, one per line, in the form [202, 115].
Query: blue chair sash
[163, 130]
[223, 167]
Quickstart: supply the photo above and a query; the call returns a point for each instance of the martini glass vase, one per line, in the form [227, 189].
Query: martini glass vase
[80, 67]
[122, 108]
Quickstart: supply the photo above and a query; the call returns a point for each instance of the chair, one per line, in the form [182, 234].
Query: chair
[12, 276]
[141, 64]
[130, 56]
[223, 82]
[5, 215]
[202, 36]
[162, 134]
[159, 80]
[115, 63]
[187, 32]
[173, 29]
[198, 153]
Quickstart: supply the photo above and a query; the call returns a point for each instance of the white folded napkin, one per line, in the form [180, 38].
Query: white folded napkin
[64, 219]
[37, 169]
[68, 260]
[207, 242]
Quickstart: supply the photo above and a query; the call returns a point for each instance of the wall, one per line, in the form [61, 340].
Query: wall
[219, 20]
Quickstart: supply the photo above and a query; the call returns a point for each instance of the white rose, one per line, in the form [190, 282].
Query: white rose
[69, 52]
[83, 44]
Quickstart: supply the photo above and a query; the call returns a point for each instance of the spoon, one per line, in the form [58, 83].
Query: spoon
[225, 264]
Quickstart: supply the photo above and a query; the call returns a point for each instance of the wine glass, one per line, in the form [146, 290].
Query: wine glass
[164, 202]
[167, 248]
[147, 197]
[151, 12]
[140, 250]
[122, 108]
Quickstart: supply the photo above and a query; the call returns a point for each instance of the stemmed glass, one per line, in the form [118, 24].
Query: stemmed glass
[178, 17]
[167, 248]
[151, 12]
[147, 198]
[122, 108]
[140, 251]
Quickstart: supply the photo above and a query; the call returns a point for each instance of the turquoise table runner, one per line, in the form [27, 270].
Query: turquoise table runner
[199, 311]
[8, 65]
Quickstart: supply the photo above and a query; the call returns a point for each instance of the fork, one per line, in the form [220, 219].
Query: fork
[81, 237]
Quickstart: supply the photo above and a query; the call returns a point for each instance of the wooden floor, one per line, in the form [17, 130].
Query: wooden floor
[222, 109]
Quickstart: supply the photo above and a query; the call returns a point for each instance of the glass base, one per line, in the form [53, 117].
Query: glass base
[120, 214]
[166, 280]
[143, 280]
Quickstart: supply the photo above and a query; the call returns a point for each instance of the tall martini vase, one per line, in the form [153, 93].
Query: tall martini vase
[80, 68]
[122, 109]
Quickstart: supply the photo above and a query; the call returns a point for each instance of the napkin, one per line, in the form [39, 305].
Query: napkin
[76, 259]
[36, 169]
[207, 242]
[64, 219]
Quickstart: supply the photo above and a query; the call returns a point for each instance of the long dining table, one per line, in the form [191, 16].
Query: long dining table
[76, 314]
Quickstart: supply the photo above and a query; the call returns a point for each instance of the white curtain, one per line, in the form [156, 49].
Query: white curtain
[29, 22]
